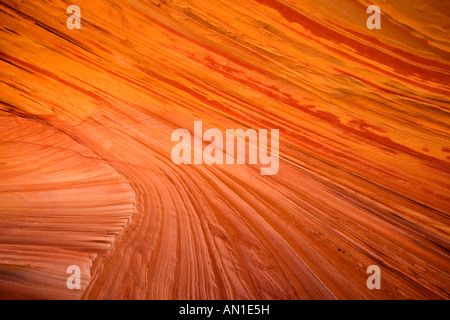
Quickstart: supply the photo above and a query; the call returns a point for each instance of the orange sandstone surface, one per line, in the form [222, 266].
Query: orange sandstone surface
[86, 176]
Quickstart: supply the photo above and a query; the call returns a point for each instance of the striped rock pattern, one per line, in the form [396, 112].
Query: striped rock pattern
[86, 176]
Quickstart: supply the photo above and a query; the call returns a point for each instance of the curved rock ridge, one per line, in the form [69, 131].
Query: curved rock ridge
[61, 205]
[86, 176]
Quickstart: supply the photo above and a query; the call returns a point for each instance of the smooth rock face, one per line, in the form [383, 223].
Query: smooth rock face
[86, 176]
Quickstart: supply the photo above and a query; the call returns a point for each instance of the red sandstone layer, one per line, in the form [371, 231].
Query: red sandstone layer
[86, 176]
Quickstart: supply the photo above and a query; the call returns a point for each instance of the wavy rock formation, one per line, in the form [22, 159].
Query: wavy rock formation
[86, 176]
